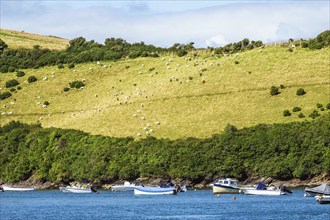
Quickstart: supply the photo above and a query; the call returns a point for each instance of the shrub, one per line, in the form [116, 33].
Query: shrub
[286, 113]
[71, 65]
[290, 49]
[322, 109]
[11, 69]
[274, 91]
[282, 86]
[190, 78]
[12, 90]
[301, 115]
[19, 88]
[300, 92]
[11, 83]
[4, 95]
[236, 62]
[181, 53]
[328, 106]
[296, 109]
[32, 79]
[60, 66]
[314, 114]
[319, 105]
[66, 89]
[76, 84]
[20, 74]
[46, 103]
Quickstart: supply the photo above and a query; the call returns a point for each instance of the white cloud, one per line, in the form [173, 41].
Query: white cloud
[137, 21]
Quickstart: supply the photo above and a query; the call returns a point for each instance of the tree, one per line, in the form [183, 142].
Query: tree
[3, 45]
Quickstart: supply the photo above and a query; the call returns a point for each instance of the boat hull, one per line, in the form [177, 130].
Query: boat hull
[220, 189]
[323, 199]
[154, 191]
[264, 192]
[69, 189]
[16, 189]
[122, 188]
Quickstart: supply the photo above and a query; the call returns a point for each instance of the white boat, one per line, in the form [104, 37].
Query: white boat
[17, 189]
[323, 189]
[123, 188]
[140, 190]
[226, 185]
[323, 199]
[261, 189]
[76, 189]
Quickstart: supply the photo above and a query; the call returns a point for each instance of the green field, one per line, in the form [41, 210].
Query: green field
[189, 98]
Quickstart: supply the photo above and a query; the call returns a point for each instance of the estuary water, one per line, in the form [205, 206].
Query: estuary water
[200, 204]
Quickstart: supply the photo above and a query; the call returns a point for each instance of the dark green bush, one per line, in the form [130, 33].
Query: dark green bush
[181, 53]
[319, 105]
[300, 92]
[282, 86]
[19, 88]
[301, 115]
[60, 66]
[12, 90]
[274, 91]
[296, 109]
[314, 114]
[46, 103]
[66, 89]
[11, 69]
[286, 113]
[32, 79]
[71, 65]
[328, 106]
[290, 49]
[76, 84]
[236, 62]
[11, 83]
[4, 95]
[20, 74]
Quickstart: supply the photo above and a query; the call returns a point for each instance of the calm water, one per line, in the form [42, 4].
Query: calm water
[48, 205]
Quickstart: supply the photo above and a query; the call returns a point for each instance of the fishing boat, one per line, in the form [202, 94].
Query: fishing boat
[323, 199]
[17, 189]
[123, 188]
[262, 189]
[140, 190]
[323, 189]
[77, 189]
[227, 185]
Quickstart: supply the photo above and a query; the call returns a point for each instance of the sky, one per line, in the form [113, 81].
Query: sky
[163, 23]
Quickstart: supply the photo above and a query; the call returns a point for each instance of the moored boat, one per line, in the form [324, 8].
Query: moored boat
[77, 189]
[17, 189]
[323, 189]
[323, 199]
[140, 190]
[123, 188]
[227, 185]
[263, 190]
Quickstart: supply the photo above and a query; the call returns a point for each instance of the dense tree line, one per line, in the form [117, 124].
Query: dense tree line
[282, 151]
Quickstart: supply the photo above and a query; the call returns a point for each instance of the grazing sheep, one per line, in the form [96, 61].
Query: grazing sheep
[90, 68]
[170, 60]
[53, 73]
[40, 118]
[260, 51]
[38, 97]
[142, 105]
[148, 125]
[167, 63]
[74, 71]
[237, 55]
[83, 80]
[105, 66]
[3, 113]
[142, 118]
[147, 133]
[45, 78]
[142, 65]
[293, 46]
[151, 130]
[98, 110]
[38, 103]
[138, 135]
[138, 111]
[98, 63]
[134, 115]
[44, 106]
[187, 66]
[157, 123]
[145, 128]
[163, 58]
[168, 67]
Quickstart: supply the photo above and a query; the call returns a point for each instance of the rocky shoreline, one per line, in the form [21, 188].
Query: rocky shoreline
[204, 184]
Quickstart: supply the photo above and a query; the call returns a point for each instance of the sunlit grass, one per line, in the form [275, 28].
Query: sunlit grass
[174, 95]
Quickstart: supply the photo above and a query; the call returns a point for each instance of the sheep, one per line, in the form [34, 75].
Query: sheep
[138, 111]
[0, 88]
[151, 130]
[98, 63]
[187, 66]
[134, 115]
[142, 65]
[44, 106]
[163, 58]
[53, 76]
[45, 78]
[143, 118]
[145, 128]
[167, 63]
[138, 135]
[140, 72]
[260, 51]
[10, 113]
[83, 80]
[147, 133]
[157, 123]
[168, 67]
[3, 113]
[40, 118]
[170, 60]
[148, 125]
[38, 97]
[74, 71]
[105, 66]
[90, 68]
[142, 105]
[96, 95]
[98, 110]
[73, 114]
[293, 46]
[237, 55]
[53, 73]
[38, 103]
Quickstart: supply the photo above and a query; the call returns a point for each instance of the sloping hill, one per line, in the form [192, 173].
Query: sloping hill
[16, 39]
[173, 97]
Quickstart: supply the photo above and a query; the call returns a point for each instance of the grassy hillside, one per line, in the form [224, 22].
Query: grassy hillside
[196, 97]
[16, 39]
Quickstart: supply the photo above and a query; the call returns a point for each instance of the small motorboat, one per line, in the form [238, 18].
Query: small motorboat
[17, 189]
[227, 185]
[140, 190]
[77, 189]
[123, 188]
[262, 189]
[323, 189]
[323, 199]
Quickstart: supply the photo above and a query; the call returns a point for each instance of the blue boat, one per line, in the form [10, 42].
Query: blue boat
[140, 190]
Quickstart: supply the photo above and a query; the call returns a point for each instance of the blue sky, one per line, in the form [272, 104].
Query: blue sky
[163, 23]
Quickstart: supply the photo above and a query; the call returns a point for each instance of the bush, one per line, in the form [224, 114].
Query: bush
[66, 89]
[319, 105]
[274, 91]
[4, 95]
[32, 79]
[60, 66]
[286, 113]
[328, 106]
[282, 86]
[76, 84]
[181, 53]
[300, 92]
[19, 88]
[11, 69]
[11, 83]
[314, 114]
[290, 49]
[20, 74]
[301, 115]
[12, 90]
[296, 109]
[71, 65]
[236, 62]
[46, 103]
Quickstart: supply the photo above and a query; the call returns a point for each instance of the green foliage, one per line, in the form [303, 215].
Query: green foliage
[236, 62]
[3, 45]
[76, 84]
[328, 106]
[319, 105]
[4, 95]
[71, 65]
[32, 79]
[20, 74]
[286, 113]
[60, 66]
[314, 114]
[296, 109]
[300, 92]
[301, 115]
[12, 83]
[290, 49]
[274, 91]
[66, 89]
